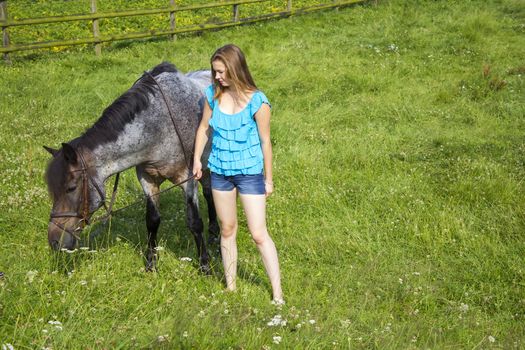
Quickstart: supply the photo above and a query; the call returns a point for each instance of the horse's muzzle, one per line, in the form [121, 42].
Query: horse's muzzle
[59, 238]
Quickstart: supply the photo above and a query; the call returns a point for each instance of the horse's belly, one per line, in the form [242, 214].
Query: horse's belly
[174, 171]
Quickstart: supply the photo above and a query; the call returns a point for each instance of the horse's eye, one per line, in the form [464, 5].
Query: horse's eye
[71, 189]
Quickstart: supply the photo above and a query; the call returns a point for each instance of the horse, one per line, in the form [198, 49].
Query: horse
[151, 127]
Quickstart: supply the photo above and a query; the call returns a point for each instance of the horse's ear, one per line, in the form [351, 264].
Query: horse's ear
[70, 155]
[51, 150]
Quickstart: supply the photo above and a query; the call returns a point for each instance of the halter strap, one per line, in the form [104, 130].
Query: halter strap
[85, 213]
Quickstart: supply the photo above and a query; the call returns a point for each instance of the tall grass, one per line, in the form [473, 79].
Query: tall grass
[398, 135]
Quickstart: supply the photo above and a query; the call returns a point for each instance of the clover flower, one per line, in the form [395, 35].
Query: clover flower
[30, 275]
[463, 307]
[277, 320]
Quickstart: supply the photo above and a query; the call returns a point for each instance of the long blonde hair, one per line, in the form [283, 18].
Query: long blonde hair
[237, 70]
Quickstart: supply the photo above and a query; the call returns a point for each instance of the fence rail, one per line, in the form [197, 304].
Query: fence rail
[172, 9]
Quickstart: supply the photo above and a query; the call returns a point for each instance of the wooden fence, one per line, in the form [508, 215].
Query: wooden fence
[172, 29]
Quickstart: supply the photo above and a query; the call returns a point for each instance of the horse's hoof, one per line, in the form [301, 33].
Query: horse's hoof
[206, 269]
[151, 263]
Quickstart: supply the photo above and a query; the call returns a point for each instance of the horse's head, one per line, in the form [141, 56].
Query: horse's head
[74, 193]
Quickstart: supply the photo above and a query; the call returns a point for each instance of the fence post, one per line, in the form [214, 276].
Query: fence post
[235, 14]
[5, 34]
[96, 31]
[289, 6]
[173, 19]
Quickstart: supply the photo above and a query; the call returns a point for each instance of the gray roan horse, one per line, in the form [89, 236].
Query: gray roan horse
[136, 130]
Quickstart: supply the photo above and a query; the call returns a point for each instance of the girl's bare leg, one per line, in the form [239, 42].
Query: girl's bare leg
[226, 207]
[255, 210]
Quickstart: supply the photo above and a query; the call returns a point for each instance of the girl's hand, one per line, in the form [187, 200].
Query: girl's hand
[197, 169]
[268, 186]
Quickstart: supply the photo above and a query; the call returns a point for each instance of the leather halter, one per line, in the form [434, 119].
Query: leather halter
[84, 213]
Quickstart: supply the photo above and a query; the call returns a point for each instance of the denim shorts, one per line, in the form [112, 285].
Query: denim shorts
[245, 184]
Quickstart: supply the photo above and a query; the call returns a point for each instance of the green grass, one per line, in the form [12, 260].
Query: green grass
[398, 214]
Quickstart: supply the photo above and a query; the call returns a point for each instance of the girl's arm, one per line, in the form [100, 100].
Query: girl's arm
[263, 125]
[201, 138]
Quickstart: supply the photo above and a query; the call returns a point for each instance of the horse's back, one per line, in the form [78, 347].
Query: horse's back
[177, 124]
[202, 78]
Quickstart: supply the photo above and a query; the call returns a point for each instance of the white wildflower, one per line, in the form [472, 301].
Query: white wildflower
[393, 47]
[7, 346]
[162, 338]
[82, 283]
[30, 275]
[400, 281]
[185, 334]
[345, 323]
[185, 258]
[312, 321]
[159, 249]
[491, 339]
[277, 339]
[463, 307]
[277, 320]
[55, 323]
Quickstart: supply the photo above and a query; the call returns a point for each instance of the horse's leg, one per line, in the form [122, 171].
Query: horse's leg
[213, 225]
[194, 222]
[150, 185]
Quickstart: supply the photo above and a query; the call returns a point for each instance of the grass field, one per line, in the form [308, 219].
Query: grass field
[399, 140]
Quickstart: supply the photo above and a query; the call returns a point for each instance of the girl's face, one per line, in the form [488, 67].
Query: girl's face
[220, 73]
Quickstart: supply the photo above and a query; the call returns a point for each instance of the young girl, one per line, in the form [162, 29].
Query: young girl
[239, 115]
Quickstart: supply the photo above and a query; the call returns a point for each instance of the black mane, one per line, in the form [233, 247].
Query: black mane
[124, 109]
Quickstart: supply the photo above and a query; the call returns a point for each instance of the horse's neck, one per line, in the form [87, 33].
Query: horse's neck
[128, 150]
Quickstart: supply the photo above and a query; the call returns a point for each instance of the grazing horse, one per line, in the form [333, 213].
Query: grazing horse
[150, 127]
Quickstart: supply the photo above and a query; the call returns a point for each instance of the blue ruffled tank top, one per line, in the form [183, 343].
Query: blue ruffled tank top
[236, 147]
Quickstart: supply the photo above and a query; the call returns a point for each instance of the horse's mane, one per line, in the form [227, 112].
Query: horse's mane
[124, 109]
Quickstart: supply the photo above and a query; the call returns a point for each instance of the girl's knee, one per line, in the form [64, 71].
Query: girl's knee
[260, 237]
[228, 229]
